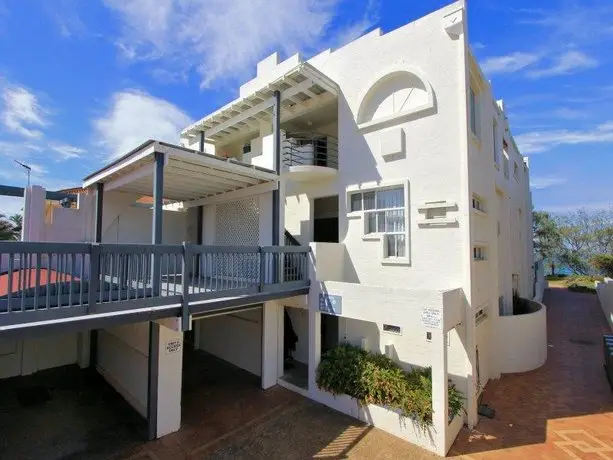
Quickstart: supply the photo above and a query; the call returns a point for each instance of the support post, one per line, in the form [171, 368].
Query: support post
[98, 212]
[439, 391]
[156, 230]
[276, 136]
[152, 380]
[270, 338]
[94, 261]
[314, 348]
[201, 147]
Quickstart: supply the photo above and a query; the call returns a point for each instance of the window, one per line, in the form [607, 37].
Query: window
[392, 329]
[478, 203]
[516, 171]
[474, 113]
[496, 143]
[480, 314]
[384, 214]
[478, 253]
[247, 148]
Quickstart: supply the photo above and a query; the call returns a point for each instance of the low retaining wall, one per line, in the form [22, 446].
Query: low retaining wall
[522, 340]
[605, 296]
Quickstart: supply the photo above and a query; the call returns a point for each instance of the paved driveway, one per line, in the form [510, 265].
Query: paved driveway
[563, 410]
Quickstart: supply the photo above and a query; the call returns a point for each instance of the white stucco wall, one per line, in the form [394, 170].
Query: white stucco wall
[236, 338]
[522, 341]
[123, 352]
[605, 296]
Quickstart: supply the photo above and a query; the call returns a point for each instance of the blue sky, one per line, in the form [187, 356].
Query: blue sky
[84, 81]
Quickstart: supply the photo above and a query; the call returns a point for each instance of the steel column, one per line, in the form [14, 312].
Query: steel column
[201, 141]
[98, 212]
[153, 371]
[276, 139]
[156, 224]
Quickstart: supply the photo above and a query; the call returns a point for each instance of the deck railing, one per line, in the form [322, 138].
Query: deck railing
[310, 150]
[46, 281]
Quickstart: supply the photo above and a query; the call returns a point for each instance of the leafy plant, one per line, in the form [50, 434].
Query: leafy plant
[603, 263]
[375, 379]
[582, 283]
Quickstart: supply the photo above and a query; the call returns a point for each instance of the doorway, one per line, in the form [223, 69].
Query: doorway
[329, 332]
[325, 219]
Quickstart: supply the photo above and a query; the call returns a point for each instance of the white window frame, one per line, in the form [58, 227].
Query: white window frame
[381, 236]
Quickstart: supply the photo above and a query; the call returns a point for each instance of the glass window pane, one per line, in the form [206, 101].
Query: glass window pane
[393, 198]
[381, 222]
[371, 222]
[356, 202]
[400, 246]
[369, 200]
[395, 245]
[394, 221]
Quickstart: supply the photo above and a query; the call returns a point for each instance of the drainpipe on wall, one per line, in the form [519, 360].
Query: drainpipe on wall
[276, 133]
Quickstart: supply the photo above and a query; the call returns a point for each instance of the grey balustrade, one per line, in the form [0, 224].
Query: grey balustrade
[47, 281]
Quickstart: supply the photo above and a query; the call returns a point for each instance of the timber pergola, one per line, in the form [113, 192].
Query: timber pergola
[300, 90]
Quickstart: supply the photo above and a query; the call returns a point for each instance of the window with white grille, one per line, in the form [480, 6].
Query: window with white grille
[384, 214]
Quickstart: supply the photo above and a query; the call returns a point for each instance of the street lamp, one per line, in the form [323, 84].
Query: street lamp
[28, 169]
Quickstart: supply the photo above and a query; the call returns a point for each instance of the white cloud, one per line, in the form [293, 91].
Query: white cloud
[136, 116]
[509, 63]
[540, 183]
[21, 112]
[541, 141]
[477, 46]
[67, 151]
[569, 62]
[567, 113]
[224, 38]
[10, 205]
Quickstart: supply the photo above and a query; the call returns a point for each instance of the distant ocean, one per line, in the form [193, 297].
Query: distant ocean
[560, 269]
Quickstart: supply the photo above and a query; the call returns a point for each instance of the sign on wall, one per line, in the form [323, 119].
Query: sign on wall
[173, 346]
[431, 317]
[331, 304]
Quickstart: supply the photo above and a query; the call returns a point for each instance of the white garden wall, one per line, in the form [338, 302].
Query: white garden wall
[522, 341]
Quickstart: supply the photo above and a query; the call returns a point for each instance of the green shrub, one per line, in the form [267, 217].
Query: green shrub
[375, 379]
[582, 283]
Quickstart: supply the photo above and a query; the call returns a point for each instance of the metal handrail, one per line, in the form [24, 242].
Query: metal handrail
[310, 149]
[54, 280]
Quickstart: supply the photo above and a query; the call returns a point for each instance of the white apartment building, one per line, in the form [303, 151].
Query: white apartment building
[390, 158]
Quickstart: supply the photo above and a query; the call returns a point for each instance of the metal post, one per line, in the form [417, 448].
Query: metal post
[201, 141]
[276, 136]
[98, 211]
[153, 370]
[156, 224]
[94, 267]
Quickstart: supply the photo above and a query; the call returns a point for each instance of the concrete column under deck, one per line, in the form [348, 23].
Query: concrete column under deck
[270, 344]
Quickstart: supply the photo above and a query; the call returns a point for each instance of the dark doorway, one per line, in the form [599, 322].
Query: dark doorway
[329, 332]
[325, 219]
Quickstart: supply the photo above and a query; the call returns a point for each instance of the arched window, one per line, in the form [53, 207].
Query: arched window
[398, 94]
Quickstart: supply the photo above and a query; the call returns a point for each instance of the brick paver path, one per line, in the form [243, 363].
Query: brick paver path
[564, 410]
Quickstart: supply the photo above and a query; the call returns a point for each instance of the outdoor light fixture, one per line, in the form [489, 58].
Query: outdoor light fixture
[28, 169]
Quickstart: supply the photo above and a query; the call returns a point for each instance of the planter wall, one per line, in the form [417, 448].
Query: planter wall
[522, 340]
[390, 421]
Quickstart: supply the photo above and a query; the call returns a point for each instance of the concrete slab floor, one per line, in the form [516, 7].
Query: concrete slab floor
[65, 413]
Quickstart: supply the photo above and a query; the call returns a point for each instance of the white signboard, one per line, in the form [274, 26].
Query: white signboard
[431, 317]
[173, 346]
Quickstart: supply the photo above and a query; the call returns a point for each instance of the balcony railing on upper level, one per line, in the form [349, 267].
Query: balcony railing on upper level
[48, 281]
[307, 149]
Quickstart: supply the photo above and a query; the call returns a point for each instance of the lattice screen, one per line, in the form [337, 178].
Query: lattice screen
[237, 223]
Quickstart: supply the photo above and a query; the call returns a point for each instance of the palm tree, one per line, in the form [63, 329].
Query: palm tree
[10, 228]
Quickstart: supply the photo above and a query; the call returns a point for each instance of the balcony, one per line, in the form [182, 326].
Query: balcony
[46, 284]
[309, 156]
